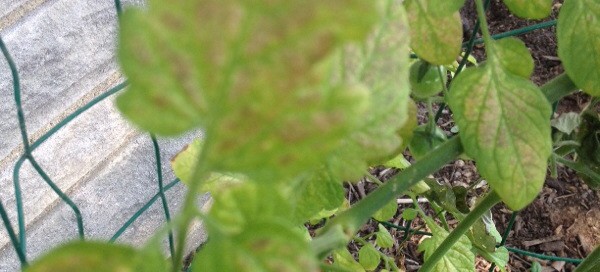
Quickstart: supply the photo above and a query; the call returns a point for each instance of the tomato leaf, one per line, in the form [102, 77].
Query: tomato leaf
[369, 257]
[505, 126]
[445, 7]
[95, 256]
[268, 245]
[577, 32]
[435, 44]
[381, 65]
[499, 257]
[316, 195]
[458, 258]
[515, 56]
[387, 212]
[530, 9]
[343, 259]
[249, 74]
[383, 237]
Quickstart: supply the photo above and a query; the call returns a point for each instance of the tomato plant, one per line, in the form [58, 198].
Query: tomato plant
[295, 97]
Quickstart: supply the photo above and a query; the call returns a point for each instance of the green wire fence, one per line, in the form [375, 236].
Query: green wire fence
[18, 237]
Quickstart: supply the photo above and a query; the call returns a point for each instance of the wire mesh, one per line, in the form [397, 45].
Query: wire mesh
[18, 238]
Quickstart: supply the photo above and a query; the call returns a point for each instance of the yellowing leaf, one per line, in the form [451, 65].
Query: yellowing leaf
[445, 7]
[458, 258]
[185, 162]
[504, 121]
[248, 73]
[316, 195]
[238, 206]
[95, 257]
[436, 39]
[530, 9]
[578, 33]
[382, 66]
[262, 246]
[514, 56]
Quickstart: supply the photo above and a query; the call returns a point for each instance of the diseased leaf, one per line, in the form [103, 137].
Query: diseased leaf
[458, 258]
[435, 44]
[316, 196]
[505, 127]
[268, 245]
[248, 73]
[369, 257]
[383, 237]
[95, 256]
[241, 205]
[578, 33]
[382, 66]
[530, 9]
[514, 56]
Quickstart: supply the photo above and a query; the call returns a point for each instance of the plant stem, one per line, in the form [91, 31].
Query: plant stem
[348, 222]
[486, 204]
[558, 88]
[189, 206]
[487, 38]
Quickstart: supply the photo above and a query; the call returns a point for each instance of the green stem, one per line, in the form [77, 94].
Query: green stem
[487, 38]
[579, 167]
[558, 88]
[486, 204]
[189, 207]
[347, 223]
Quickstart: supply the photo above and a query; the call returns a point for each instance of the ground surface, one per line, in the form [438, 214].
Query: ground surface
[565, 218]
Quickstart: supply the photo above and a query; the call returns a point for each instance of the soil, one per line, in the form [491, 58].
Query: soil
[563, 221]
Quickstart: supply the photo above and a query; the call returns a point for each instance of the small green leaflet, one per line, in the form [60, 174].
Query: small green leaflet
[536, 267]
[185, 162]
[458, 258]
[96, 257]
[383, 237]
[269, 245]
[505, 126]
[436, 39]
[344, 260]
[499, 257]
[578, 34]
[530, 9]
[515, 56]
[387, 212]
[369, 257]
